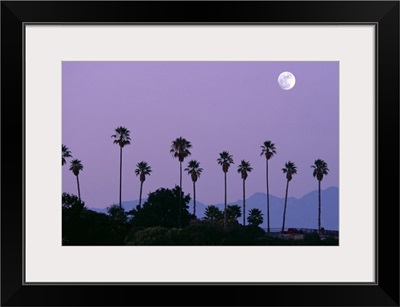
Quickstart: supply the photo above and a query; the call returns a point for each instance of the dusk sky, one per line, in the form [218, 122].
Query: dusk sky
[217, 106]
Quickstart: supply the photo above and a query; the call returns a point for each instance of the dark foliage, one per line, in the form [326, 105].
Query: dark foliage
[242, 235]
[202, 233]
[255, 217]
[215, 216]
[312, 238]
[162, 209]
[81, 226]
[154, 236]
[198, 233]
[156, 223]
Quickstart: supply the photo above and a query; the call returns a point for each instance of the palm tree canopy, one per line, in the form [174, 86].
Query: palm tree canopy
[180, 148]
[255, 217]
[320, 169]
[225, 159]
[212, 213]
[76, 166]
[143, 169]
[66, 153]
[233, 212]
[289, 169]
[121, 136]
[194, 169]
[268, 149]
[244, 168]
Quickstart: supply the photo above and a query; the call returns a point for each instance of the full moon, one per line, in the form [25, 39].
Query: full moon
[286, 80]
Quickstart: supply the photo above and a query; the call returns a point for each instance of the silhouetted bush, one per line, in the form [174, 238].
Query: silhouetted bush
[155, 236]
[162, 208]
[201, 233]
[312, 239]
[81, 226]
[242, 235]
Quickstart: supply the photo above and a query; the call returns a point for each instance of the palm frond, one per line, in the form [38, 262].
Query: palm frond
[143, 169]
[244, 165]
[66, 153]
[76, 166]
[289, 169]
[121, 136]
[225, 159]
[193, 168]
[180, 148]
[320, 169]
[244, 168]
[268, 149]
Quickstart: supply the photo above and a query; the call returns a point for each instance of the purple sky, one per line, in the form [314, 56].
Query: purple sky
[217, 106]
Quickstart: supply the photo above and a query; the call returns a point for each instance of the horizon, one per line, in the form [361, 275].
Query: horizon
[198, 201]
[301, 212]
[217, 106]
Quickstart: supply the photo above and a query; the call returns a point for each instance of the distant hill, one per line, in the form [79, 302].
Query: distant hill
[127, 205]
[300, 212]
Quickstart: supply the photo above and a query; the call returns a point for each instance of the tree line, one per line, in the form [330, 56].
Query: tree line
[155, 222]
[180, 149]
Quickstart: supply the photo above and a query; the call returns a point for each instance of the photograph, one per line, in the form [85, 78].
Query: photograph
[200, 153]
[246, 147]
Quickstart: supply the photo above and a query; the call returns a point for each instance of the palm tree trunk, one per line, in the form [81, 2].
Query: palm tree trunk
[225, 221]
[268, 229]
[79, 189]
[120, 177]
[180, 175]
[140, 194]
[319, 206]
[180, 194]
[194, 198]
[284, 210]
[244, 203]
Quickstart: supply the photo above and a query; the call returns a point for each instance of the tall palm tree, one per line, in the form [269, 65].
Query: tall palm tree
[268, 150]
[320, 169]
[194, 170]
[244, 168]
[290, 169]
[180, 149]
[76, 167]
[225, 160]
[65, 154]
[142, 169]
[122, 138]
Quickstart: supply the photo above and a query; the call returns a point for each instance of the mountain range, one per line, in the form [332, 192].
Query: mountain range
[300, 212]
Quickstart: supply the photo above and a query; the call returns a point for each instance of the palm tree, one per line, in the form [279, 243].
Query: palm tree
[65, 154]
[268, 149]
[76, 167]
[194, 170]
[225, 159]
[320, 169]
[122, 138]
[290, 169]
[180, 149]
[213, 214]
[244, 168]
[255, 217]
[233, 212]
[142, 169]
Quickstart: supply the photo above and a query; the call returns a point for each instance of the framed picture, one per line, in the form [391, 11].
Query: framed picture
[241, 146]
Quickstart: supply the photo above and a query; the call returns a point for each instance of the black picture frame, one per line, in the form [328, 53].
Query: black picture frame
[383, 14]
